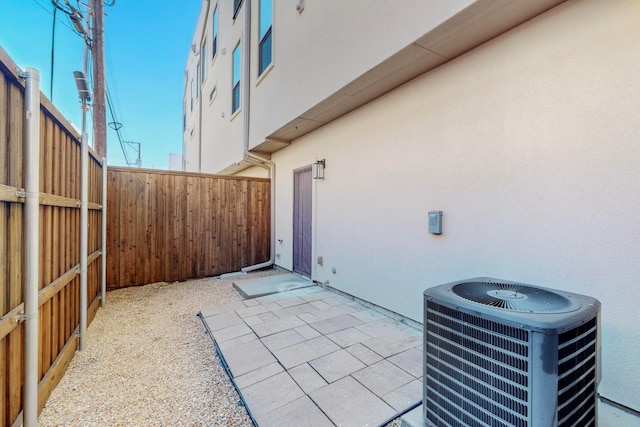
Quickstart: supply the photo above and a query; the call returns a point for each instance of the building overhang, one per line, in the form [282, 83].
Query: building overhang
[478, 23]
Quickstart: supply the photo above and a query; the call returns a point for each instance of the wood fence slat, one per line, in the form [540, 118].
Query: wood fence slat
[9, 193]
[16, 129]
[141, 245]
[55, 373]
[4, 118]
[14, 253]
[15, 371]
[4, 273]
[46, 178]
[60, 201]
[4, 415]
[9, 321]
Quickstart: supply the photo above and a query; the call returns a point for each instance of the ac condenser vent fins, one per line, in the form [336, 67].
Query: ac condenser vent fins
[499, 353]
[514, 297]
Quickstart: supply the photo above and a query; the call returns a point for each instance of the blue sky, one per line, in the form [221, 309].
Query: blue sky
[146, 47]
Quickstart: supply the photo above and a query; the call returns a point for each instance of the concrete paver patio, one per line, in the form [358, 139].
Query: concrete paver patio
[312, 357]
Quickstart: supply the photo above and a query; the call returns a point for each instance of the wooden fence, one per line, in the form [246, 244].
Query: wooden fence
[168, 226]
[59, 243]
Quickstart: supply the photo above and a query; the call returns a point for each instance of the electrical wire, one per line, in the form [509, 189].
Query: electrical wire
[113, 98]
[114, 119]
[53, 48]
[75, 17]
[50, 13]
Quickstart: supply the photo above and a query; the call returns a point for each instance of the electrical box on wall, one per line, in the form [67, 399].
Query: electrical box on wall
[435, 222]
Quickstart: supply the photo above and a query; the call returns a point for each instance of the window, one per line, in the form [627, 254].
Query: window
[192, 94]
[236, 7]
[235, 97]
[203, 54]
[213, 93]
[214, 43]
[264, 48]
[198, 79]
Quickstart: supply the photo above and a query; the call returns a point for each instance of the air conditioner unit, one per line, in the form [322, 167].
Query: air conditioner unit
[500, 353]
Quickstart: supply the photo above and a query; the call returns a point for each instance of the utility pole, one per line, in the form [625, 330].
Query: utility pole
[99, 91]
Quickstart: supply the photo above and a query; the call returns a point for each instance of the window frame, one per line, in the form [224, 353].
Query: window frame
[235, 85]
[203, 55]
[214, 33]
[266, 38]
[237, 4]
[192, 93]
[213, 94]
[198, 80]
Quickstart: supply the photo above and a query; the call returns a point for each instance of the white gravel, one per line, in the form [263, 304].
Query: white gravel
[149, 362]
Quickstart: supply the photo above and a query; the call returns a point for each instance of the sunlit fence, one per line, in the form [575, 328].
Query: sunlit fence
[161, 226]
[168, 226]
[58, 249]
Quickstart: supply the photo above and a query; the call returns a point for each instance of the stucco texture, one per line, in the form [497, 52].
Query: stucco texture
[529, 144]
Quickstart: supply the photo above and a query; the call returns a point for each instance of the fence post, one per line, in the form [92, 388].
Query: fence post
[84, 236]
[31, 237]
[103, 281]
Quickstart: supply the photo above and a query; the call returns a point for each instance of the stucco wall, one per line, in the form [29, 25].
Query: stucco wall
[530, 145]
[221, 143]
[328, 45]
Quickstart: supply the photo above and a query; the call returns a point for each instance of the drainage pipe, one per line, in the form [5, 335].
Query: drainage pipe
[84, 215]
[31, 236]
[103, 278]
[246, 122]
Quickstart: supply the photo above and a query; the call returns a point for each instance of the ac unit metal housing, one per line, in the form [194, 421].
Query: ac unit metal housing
[502, 353]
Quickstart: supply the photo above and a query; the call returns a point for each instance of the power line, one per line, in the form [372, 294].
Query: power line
[50, 13]
[53, 49]
[116, 126]
[76, 18]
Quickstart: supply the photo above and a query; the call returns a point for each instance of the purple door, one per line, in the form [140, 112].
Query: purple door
[302, 181]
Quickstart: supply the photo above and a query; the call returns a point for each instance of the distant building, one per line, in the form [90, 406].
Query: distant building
[175, 162]
[516, 118]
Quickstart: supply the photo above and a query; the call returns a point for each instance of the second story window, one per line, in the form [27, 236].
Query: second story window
[198, 79]
[236, 7]
[214, 43]
[192, 94]
[203, 53]
[235, 97]
[264, 47]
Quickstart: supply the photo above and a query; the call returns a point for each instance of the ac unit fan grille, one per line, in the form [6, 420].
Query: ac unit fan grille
[514, 297]
[476, 370]
[577, 375]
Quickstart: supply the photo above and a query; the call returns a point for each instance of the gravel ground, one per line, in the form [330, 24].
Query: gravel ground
[149, 362]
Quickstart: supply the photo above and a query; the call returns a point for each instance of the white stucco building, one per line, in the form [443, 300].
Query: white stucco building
[519, 119]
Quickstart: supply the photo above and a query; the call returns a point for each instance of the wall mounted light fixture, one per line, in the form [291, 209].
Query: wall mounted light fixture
[318, 169]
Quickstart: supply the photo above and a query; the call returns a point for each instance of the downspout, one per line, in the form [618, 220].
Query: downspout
[199, 91]
[31, 236]
[248, 156]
